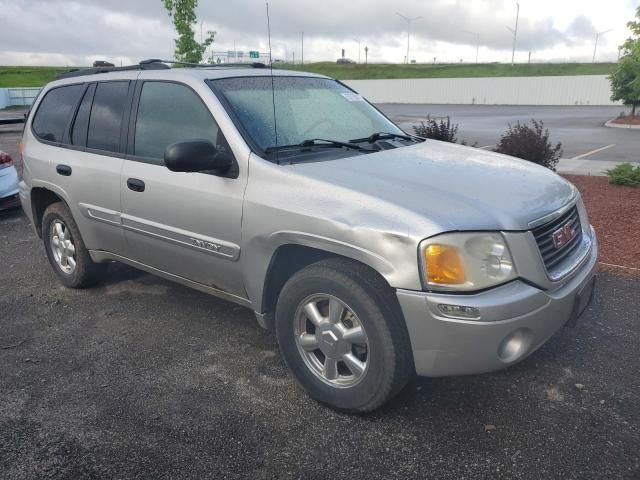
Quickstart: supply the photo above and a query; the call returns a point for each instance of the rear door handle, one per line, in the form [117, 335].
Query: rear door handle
[64, 170]
[135, 184]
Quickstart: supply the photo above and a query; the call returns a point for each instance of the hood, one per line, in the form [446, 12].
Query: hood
[448, 185]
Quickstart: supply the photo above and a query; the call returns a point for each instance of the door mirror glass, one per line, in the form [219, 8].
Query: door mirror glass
[197, 156]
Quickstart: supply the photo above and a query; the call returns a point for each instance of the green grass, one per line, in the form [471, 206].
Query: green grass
[39, 76]
[28, 76]
[361, 72]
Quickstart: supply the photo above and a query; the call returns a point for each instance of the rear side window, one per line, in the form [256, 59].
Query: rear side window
[168, 113]
[105, 120]
[53, 113]
[81, 123]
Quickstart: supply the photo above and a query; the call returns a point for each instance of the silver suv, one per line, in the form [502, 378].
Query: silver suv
[373, 254]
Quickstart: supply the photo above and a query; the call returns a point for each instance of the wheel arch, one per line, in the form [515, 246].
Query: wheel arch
[41, 198]
[289, 258]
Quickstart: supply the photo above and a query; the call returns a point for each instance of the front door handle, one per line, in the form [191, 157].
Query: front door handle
[135, 185]
[64, 170]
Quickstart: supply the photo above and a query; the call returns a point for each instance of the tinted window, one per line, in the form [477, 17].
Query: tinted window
[106, 116]
[81, 123]
[53, 113]
[168, 113]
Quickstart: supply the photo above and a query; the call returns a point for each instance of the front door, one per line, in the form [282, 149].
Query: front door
[185, 224]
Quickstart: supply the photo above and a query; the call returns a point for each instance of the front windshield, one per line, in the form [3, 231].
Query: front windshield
[305, 108]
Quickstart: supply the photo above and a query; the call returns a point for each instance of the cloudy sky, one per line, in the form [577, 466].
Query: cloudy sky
[67, 32]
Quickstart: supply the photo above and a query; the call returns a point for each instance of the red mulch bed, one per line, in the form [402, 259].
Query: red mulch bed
[614, 211]
[627, 120]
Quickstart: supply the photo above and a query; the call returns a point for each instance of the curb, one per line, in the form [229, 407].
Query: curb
[610, 124]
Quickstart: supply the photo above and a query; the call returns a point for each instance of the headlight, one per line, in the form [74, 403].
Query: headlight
[466, 261]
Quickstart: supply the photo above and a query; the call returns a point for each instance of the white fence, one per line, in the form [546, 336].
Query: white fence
[579, 90]
[10, 97]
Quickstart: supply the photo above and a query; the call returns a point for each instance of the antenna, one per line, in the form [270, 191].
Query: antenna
[273, 90]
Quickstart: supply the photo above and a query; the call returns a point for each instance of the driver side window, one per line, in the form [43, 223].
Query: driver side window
[169, 113]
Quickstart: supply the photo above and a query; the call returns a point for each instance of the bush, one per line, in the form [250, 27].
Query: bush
[443, 130]
[530, 143]
[624, 174]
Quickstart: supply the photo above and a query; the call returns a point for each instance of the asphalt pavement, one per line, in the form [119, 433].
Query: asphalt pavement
[142, 378]
[580, 128]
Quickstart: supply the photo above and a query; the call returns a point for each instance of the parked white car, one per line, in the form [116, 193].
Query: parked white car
[8, 182]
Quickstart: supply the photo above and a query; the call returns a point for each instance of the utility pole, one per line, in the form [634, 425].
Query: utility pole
[408, 20]
[302, 56]
[515, 35]
[477, 35]
[356, 40]
[366, 55]
[529, 58]
[595, 48]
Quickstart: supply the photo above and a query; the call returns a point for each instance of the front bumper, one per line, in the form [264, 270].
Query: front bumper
[516, 319]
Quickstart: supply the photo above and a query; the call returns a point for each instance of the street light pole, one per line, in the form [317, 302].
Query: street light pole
[595, 48]
[408, 20]
[515, 35]
[356, 40]
[302, 56]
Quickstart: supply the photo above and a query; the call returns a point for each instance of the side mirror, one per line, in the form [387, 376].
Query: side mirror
[197, 156]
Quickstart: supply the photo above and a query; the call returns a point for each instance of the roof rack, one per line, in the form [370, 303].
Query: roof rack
[155, 61]
[153, 64]
[79, 72]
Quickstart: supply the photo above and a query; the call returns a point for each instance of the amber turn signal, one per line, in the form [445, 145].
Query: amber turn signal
[444, 265]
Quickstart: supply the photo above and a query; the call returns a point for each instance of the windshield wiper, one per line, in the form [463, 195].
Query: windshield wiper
[318, 142]
[381, 136]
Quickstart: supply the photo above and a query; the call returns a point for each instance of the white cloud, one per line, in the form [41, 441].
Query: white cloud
[62, 32]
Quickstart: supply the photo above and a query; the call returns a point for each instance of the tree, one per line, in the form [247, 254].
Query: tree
[183, 13]
[625, 82]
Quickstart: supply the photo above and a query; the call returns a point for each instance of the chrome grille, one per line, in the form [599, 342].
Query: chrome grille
[551, 255]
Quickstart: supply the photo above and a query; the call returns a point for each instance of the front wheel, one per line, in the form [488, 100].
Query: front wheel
[342, 335]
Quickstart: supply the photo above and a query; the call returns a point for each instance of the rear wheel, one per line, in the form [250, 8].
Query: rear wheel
[65, 249]
[342, 335]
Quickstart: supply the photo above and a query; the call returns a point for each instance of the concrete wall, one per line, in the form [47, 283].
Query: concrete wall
[17, 96]
[579, 90]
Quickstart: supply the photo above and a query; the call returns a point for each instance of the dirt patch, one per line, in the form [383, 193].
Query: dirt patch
[627, 120]
[614, 211]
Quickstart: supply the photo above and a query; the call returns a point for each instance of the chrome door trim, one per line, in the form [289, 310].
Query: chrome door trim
[191, 240]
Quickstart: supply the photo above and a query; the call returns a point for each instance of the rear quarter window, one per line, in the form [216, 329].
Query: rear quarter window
[52, 117]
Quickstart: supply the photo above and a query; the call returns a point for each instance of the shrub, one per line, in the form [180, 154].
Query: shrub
[624, 174]
[530, 143]
[441, 130]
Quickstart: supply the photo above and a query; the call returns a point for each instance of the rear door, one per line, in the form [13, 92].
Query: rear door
[89, 160]
[186, 224]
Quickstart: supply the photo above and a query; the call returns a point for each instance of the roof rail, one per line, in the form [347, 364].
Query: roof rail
[157, 61]
[152, 64]
[79, 72]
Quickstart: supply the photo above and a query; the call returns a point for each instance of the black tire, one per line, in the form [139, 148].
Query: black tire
[86, 272]
[390, 360]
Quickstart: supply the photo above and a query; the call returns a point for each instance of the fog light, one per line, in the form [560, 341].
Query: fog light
[515, 345]
[459, 311]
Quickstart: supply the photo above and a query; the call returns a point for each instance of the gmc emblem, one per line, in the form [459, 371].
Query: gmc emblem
[563, 235]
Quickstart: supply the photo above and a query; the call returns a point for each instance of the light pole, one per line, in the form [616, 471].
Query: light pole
[595, 48]
[408, 20]
[515, 35]
[356, 40]
[302, 56]
[477, 35]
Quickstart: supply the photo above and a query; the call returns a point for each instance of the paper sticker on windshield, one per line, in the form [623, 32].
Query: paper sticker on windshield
[353, 97]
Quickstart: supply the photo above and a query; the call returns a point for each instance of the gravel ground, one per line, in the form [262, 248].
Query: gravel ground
[613, 212]
[142, 378]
